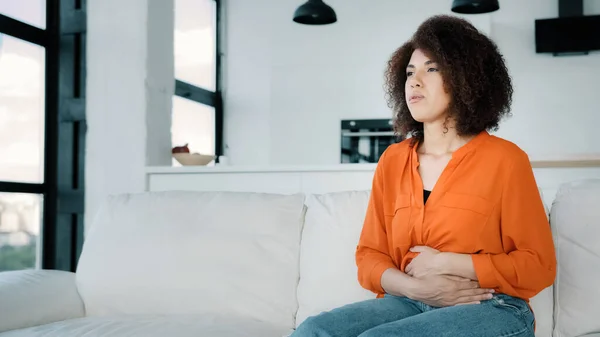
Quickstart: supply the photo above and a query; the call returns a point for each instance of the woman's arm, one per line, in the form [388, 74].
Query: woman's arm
[457, 264]
[397, 283]
[432, 262]
[529, 264]
[372, 255]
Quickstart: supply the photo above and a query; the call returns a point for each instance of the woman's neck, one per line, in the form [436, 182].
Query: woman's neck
[441, 138]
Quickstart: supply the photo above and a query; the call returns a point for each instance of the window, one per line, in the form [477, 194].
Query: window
[32, 12]
[41, 121]
[20, 219]
[195, 42]
[21, 110]
[194, 123]
[197, 109]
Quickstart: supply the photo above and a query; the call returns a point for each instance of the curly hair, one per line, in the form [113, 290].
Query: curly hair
[474, 73]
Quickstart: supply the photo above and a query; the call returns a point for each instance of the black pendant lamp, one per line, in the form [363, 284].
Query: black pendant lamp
[475, 6]
[315, 12]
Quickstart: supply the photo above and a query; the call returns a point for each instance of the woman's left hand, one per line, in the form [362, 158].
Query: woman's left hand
[426, 263]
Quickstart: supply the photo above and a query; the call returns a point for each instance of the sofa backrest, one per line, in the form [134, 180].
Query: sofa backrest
[230, 254]
[575, 217]
[328, 270]
[281, 258]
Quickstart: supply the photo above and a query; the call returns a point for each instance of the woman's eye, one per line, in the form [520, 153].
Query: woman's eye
[432, 69]
[409, 73]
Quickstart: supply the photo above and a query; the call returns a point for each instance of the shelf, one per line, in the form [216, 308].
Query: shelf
[257, 168]
[566, 163]
[571, 162]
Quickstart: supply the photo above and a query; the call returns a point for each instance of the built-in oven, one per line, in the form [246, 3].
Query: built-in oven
[364, 140]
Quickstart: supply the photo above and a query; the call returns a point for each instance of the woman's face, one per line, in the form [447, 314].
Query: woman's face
[425, 95]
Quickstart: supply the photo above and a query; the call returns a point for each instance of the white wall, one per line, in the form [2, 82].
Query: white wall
[128, 98]
[287, 86]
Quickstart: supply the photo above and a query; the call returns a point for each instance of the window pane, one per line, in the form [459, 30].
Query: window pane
[195, 22]
[32, 12]
[20, 219]
[21, 110]
[193, 124]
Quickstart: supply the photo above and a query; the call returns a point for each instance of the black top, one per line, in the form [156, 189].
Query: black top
[426, 194]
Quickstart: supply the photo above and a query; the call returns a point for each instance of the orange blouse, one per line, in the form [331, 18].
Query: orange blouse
[486, 203]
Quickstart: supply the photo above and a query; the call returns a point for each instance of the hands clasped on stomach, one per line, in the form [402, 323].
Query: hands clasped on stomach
[437, 279]
[448, 290]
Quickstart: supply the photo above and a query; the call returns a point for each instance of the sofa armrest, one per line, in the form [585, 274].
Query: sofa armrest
[34, 297]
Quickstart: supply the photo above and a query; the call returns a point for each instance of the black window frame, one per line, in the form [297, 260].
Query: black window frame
[207, 97]
[63, 189]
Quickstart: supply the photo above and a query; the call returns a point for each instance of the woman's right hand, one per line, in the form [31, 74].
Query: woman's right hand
[446, 290]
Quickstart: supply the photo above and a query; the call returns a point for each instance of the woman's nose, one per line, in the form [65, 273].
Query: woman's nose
[415, 83]
[415, 80]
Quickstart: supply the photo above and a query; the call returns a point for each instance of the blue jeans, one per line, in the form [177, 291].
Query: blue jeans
[393, 316]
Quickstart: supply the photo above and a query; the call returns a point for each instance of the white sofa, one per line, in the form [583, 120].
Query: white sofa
[225, 264]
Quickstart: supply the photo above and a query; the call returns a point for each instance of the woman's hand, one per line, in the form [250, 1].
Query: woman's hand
[427, 263]
[430, 262]
[444, 291]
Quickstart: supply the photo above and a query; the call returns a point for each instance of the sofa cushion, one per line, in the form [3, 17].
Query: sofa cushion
[174, 252]
[328, 273]
[153, 326]
[575, 219]
[34, 297]
[543, 303]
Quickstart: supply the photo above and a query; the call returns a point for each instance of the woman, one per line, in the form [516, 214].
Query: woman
[456, 239]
